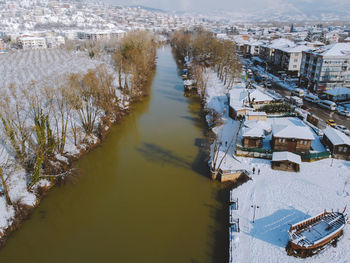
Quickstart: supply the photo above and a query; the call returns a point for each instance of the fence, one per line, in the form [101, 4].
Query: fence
[267, 154]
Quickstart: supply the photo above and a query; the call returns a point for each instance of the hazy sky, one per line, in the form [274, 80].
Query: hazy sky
[232, 5]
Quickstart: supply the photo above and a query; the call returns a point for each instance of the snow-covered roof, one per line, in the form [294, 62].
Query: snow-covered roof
[256, 113]
[282, 43]
[338, 91]
[253, 132]
[336, 137]
[292, 132]
[286, 156]
[257, 95]
[297, 49]
[334, 50]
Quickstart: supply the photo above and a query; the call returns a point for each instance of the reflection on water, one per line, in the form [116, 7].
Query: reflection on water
[143, 196]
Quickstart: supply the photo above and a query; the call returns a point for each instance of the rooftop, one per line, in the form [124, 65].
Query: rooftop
[286, 156]
[336, 137]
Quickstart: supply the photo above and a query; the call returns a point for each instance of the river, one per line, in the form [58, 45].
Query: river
[143, 195]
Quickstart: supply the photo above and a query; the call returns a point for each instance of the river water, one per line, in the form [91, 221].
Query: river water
[144, 195]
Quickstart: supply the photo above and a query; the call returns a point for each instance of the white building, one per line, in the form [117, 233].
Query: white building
[327, 67]
[32, 42]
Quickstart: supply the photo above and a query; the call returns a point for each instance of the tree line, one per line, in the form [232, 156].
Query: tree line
[204, 50]
[36, 120]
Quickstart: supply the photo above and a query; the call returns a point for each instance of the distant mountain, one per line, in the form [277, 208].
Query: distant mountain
[149, 8]
[294, 10]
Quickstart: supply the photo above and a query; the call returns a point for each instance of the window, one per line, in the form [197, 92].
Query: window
[340, 148]
[294, 66]
[301, 142]
[295, 60]
[345, 149]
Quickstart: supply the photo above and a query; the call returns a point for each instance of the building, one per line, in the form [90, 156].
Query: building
[291, 138]
[338, 143]
[252, 137]
[242, 100]
[338, 94]
[256, 116]
[101, 35]
[32, 42]
[288, 60]
[55, 41]
[286, 161]
[327, 67]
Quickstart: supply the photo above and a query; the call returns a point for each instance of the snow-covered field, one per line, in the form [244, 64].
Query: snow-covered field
[42, 67]
[283, 198]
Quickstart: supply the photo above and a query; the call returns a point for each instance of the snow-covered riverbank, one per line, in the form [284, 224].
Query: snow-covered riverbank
[283, 198]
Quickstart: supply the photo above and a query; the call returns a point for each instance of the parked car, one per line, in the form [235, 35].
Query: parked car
[343, 112]
[331, 122]
[343, 129]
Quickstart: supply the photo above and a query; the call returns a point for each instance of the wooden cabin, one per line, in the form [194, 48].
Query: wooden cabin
[256, 116]
[286, 161]
[338, 143]
[252, 137]
[291, 138]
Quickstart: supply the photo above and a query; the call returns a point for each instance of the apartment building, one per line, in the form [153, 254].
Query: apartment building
[32, 42]
[55, 41]
[101, 35]
[327, 67]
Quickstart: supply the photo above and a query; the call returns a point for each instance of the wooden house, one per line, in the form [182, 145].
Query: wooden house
[338, 143]
[291, 138]
[256, 115]
[286, 161]
[252, 137]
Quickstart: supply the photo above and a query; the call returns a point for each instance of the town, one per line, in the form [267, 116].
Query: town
[99, 97]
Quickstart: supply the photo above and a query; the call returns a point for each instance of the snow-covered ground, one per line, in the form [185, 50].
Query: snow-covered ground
[286, 198]
[42, 67]
[283, 198]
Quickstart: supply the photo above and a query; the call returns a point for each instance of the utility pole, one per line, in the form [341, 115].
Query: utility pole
[255, 207]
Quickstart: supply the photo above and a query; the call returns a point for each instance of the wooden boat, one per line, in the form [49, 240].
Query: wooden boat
[317, 231]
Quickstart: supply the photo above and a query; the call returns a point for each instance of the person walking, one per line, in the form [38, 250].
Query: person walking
[253, 170]
[258, 171]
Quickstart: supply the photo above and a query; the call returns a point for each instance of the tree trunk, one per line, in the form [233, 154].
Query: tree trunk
[7, 196]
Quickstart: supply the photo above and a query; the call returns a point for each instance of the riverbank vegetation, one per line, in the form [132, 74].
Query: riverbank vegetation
[202, 51]
[57, 104]
[210, 61]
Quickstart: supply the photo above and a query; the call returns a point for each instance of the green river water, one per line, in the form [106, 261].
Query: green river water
[144, 195]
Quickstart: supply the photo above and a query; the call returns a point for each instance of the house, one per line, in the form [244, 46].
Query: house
[256, 116]
[327, 67]
[338, 143]
[242, 100]
[253, 133]
[286, 161]
[291, 138]
[252, 137]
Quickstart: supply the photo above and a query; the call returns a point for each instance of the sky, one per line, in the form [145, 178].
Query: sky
[235, 5]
